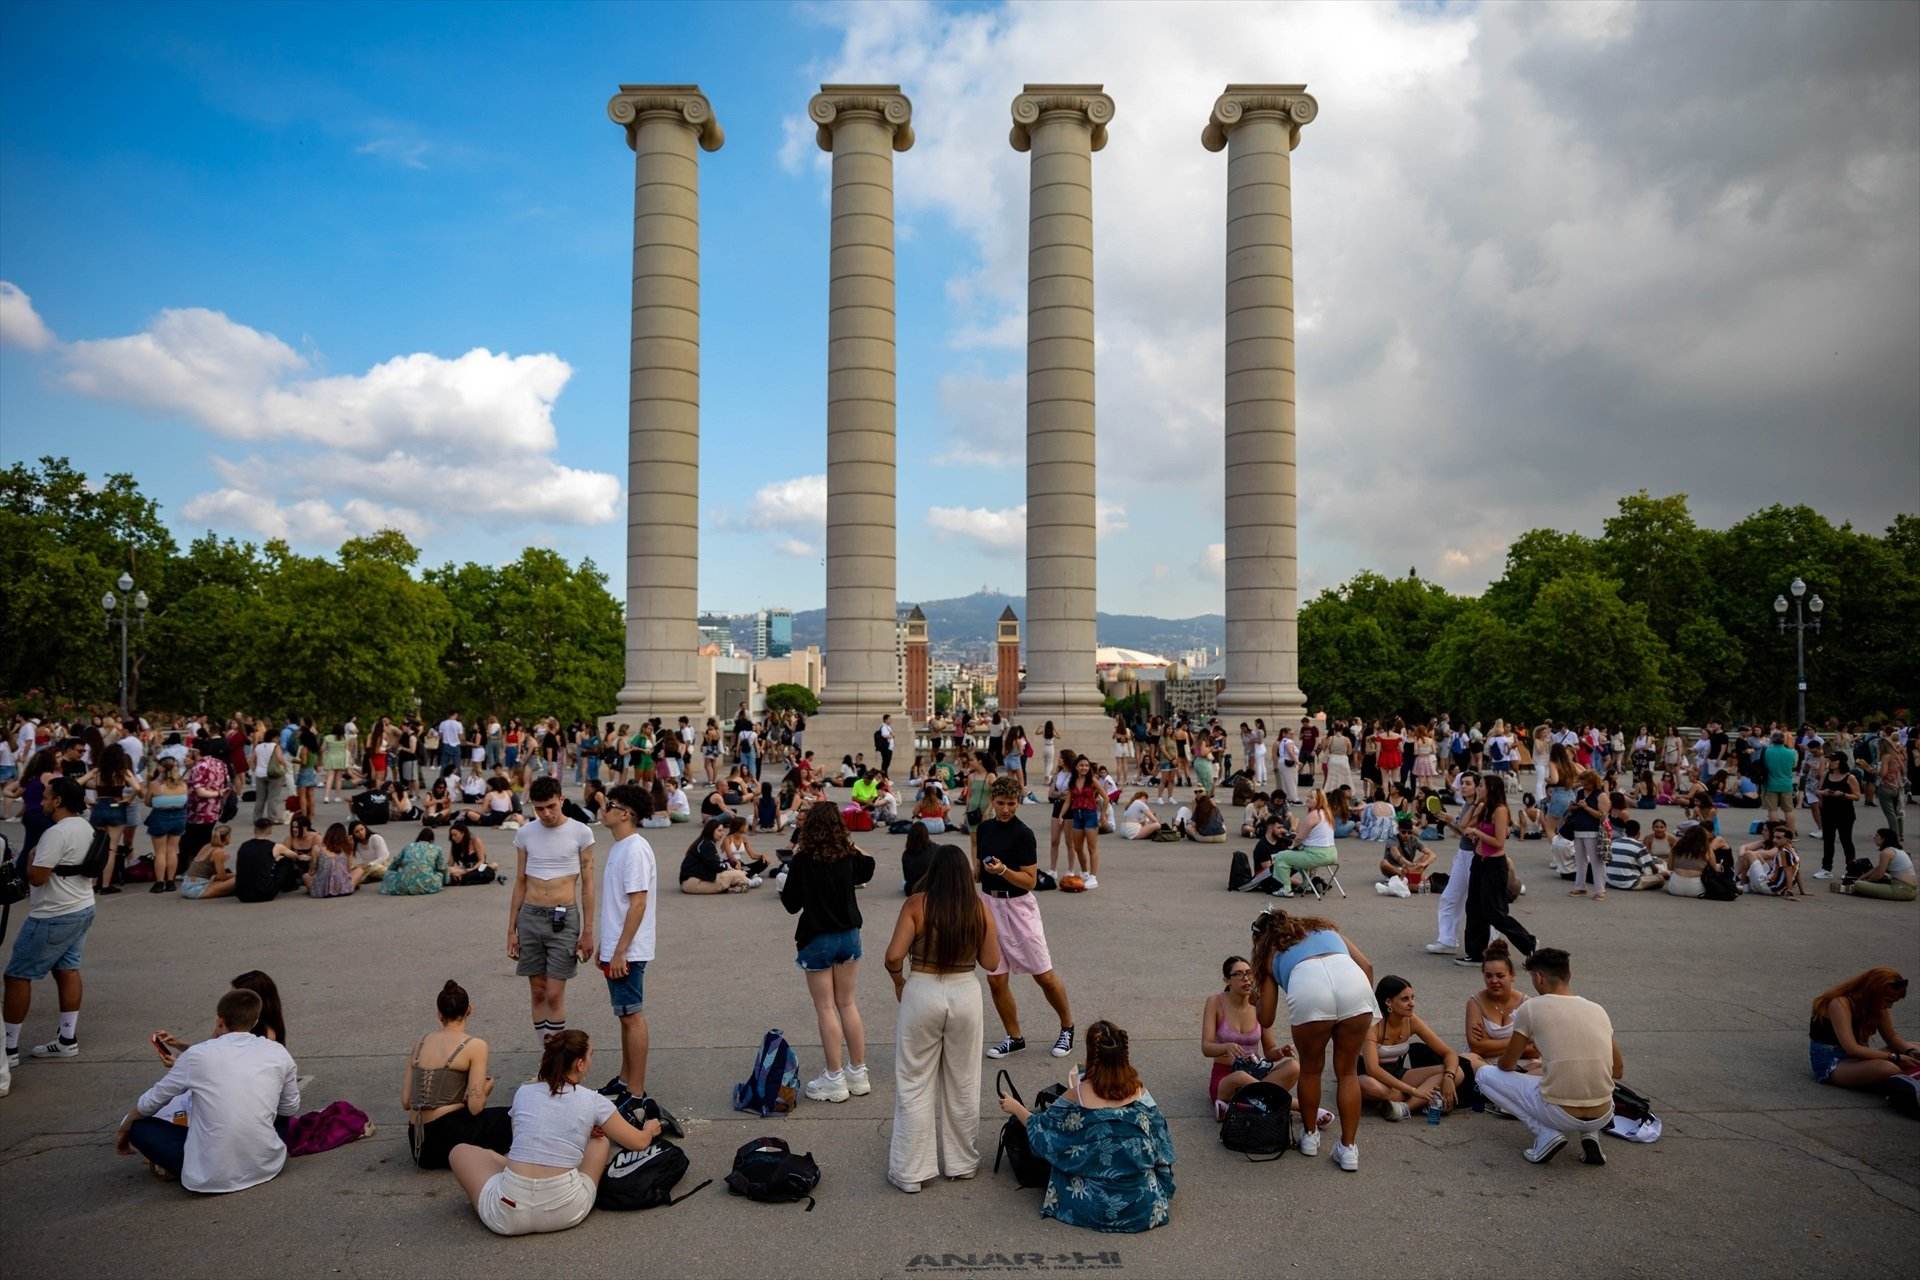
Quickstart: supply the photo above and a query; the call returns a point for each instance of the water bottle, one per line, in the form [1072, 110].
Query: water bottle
[1434, 1110]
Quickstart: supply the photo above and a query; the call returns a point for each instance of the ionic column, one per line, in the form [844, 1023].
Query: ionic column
[862, 125]
[1061, 125]
[666, 124]
[1259, 125]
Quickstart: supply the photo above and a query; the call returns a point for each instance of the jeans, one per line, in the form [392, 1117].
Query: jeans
[162, 1142]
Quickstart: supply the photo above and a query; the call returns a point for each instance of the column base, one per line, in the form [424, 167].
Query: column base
[1277, 704]
[638, 702]
[832, 733]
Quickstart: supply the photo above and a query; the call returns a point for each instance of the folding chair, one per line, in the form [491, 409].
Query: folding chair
[1332, 872]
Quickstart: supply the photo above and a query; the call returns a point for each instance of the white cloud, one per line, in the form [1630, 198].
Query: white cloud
[408, 153]
[310, 521]
[1213, 561]
[1003, 530]
[794, 510]
[20, 324]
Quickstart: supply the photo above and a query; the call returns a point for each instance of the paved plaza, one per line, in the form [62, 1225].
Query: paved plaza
[1760, 1172]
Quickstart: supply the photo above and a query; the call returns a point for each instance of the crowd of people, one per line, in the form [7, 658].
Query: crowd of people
[1549, 1060]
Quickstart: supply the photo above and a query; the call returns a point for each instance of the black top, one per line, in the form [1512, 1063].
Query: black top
[1578, 822]
[768, 811]
[712, 806]
[821, 893]
[255, 879]
[703, 862]
[1011, 842]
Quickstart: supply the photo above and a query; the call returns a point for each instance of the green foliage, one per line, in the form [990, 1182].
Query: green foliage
[1131, 705]
[797, 697]
[942, 700]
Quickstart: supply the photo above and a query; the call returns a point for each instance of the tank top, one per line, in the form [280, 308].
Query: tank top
[439, 1086]
[1321, 942]
[1248, 1041]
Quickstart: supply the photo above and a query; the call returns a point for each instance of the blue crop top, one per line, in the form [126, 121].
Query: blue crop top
[1322, 942]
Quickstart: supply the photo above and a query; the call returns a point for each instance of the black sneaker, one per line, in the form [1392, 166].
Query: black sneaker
[107, 888]
[1009, 1045]
[615, 1088]
[669, 1126]
[1590, 1151]
[1064, 1045]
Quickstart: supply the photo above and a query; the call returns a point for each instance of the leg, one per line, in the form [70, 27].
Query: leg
[820, 987]
[1518, 1094]
[1349, 1035]
[162, 1142]
[997, 986]
[1056, 993]
[913, 1154]
[633, 1053]
[1828, 821]
[1863, 1074]
[1230, 1084]
[1310, 1039]
[599, 1155]
[844, 977]
[472, 1166]
[1090, 850]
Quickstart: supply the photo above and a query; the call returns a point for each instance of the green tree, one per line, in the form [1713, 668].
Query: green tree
[1583, 652]
[1364, 643]
[797, 697]
[1536, 558]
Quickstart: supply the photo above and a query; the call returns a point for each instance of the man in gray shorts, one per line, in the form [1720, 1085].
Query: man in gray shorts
[550, 921]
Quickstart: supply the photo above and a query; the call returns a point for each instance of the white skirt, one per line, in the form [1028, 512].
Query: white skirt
[1328, 989]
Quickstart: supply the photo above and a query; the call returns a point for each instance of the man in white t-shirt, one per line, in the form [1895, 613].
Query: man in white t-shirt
[550, 918]
[452, 734]
[1580, 1060]
[627, 890]
[59, 914]
[883, 743]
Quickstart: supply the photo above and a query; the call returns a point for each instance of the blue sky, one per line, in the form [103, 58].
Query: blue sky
[385, 189]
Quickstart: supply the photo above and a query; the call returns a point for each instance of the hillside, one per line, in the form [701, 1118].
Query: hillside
[970, 620]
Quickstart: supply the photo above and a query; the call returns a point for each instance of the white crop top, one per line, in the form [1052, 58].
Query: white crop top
[553, 853]
[552, 1128]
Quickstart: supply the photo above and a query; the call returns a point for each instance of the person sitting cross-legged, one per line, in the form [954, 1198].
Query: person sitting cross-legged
[1404, 855]
[1573, 1094]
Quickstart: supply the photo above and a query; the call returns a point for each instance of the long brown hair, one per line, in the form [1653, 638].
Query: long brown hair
[953, 924]
[558, 1057]
[1110, 1072]
[1870, 993]
[1275, 931]
[337, 840]
[822, 836]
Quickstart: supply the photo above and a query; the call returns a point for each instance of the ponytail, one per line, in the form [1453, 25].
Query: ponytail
[1110, 1072]
[557, 1059]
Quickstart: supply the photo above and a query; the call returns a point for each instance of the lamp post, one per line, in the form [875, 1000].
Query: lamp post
[1800, 625]
[124, 609]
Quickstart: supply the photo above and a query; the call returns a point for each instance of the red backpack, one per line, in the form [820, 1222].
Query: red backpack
[857, 817]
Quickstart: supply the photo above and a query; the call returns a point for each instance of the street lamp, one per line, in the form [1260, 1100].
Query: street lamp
[124, 610]
[1800, 625]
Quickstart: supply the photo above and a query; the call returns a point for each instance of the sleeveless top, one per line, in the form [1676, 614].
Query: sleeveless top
[440, 1086]
[1321, 942]
[1247, 1040]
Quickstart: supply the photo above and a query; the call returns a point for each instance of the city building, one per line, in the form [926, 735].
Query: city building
[916, 676]
[716, 629]
[1006, 677]
[772, 633]
[801, 666]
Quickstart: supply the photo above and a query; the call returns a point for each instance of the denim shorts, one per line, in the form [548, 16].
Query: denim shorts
[829, 949]
[1085, 819]
[627, 994]
[108, 815]
[49, 943]
[1823, 1058]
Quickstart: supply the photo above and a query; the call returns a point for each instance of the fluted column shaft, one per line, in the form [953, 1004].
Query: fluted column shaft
[862, 125]
[666, 126]
[1259, 125]
[1061, 126]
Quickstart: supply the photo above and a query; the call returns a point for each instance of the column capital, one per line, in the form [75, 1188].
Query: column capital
[1037, 100]
[1291, 103]
[683, 100]
[839, 102]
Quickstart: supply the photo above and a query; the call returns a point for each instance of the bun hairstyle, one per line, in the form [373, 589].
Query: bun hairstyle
[452, 1001]
[1497, 952]
[559, 1056]
[1110, 1072]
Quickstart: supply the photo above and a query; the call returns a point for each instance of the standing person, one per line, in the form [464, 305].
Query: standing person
[306, 766]
[629, 888]
[1083, 819]
[550, 916]
[1337, 771]
[819, 888]
[1890, 781]
[1049, 747]
[1328, 986]
[452, 735]
[946, 932]
[883, 743]
[1058, 782]
[115, 787]
[1580, 1060]
[335, 760]
[1122, 749]
[1287, 760]
[269, 768]
[167, 800]
[59, 912]
[1780, 763]
[1008, 865]
[1259, 758]
[1487, 902]
[1582, 826]
[1839, 792]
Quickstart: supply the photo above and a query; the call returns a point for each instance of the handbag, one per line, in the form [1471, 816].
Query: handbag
[1029, 1170]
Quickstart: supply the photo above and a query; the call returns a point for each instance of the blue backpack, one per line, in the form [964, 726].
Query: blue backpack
[773, 1087]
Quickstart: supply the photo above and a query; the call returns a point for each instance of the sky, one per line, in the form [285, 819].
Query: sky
[310, 271]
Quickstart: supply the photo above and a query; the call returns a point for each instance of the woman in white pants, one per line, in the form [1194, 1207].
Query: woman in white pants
[946, 932]
[1582, 826]
[1453, 899]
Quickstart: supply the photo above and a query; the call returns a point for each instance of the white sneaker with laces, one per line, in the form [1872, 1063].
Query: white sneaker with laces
[858, 1083]
[754, 882]
[1393, 1111]
[1441, 948]
[1823, 874]
[57, 1049]
[1348, 1158]
[1309, 1142]
[1093, 882]
[1064, 1045]
[831, 1087]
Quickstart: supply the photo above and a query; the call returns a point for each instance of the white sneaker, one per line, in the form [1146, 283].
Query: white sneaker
[1093, 882]
[1392, 1111]
[857, 1082]
[56, 1049]
[831, 1087]
[754, 882]
[1309, 1142]
[1441, 948]
[1348, 1158]
[1823, 874]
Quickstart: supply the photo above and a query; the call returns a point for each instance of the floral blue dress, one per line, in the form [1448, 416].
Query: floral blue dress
[1112, 1166]
[418, 868]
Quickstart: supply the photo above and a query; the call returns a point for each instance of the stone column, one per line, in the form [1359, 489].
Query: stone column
[665, 126]
[862, 125]
[1061, 125]
[1259, 125]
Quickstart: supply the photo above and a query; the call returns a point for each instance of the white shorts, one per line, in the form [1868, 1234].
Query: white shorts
[512, 1205]
[1686, 887]
[1123, 751]
[1328, 989]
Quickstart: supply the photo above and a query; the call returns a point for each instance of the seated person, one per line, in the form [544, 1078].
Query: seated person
[916, 857]
[370, 854]
[846, 773]
[1108, 787]
[886, 805]
[714, 805]
[1531, 827]
[1845, 1020]
[1644, 794]
[737, 850]
[438, 805]
[445, 1090]
[1891, 876]
[1254, 820]
[766, 810]
[1629, 865]
[499, 805]
[1744, 793]
[211, 875]
[1406, 856]
[1490, 1010]
[371, 806]
[657, 816]
[678, 808]
[704, 871]
[296, 853]
[467, 857]
[472, 785]
[1669, 793]
[593, 800]
[931, 810]
[1339, 809]
[562, 1142]
[1137, 821]
[1769, 866]
[1377, 822]
[333, 874]
[1692, 856]
[1203, 822]
[917, 772]
[1107, 1142]
[1404, 1064]
[238, 1084]
[1241, 1050]
[1659, 842]
[739, 787]
[419, 868]
[400, 804]
[865, 788]
[257, 866]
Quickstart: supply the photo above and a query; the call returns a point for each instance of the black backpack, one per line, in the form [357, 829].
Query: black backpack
[767, 1169]
[1239, 871]
[1258, 1122]
[879, 741]
[1029, 1170]
[644, 1179]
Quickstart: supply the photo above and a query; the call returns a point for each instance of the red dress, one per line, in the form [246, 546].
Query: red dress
[1389, 752]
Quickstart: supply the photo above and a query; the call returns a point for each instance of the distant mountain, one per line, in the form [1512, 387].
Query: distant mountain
[966, 620]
